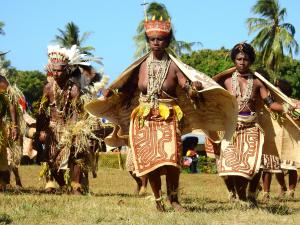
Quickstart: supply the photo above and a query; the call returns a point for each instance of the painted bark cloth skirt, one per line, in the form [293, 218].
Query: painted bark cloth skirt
[242, 157]
[155, 140]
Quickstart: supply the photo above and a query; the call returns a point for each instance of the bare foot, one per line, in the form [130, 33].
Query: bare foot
[94, 174]
[77, 192]
[160, 206]
[143, 191]
[3, 187]
[50, 190]
[177, 207]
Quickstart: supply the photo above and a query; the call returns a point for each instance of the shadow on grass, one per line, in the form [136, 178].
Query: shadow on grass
[5, 219]
[34, 191]
[201, 200]
[207, 205]
[118, 194]
[278, 209]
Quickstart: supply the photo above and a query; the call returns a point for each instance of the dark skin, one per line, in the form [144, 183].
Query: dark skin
[60, 77]
[242, 64]
[12, 110]
[259, 92]
[174, 78]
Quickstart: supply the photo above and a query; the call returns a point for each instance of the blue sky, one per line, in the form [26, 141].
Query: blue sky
[31, 25]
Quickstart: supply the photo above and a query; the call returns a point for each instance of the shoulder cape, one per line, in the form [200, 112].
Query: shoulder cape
[216, 112]
[282, 134]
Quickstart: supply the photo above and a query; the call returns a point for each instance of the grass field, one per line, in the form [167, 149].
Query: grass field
[112, 202]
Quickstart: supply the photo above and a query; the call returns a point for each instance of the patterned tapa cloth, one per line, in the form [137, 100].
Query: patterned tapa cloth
[242, 156]
[270, 163]
[215, 111]
[155, 143]
[289, 165]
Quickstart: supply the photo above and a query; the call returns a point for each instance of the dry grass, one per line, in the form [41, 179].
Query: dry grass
[112, 202]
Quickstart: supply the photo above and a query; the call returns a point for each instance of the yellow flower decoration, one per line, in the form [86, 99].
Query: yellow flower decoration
[178, 112]
[164, 111]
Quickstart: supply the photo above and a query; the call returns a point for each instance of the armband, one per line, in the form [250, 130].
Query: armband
[268, 100]
[187, 86]
[190, 90]
[285, 108]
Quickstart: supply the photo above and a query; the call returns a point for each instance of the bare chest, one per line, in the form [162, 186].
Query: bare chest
[166, 83]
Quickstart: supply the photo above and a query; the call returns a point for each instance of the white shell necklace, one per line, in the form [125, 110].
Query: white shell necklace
[236, 90]
[156, 80]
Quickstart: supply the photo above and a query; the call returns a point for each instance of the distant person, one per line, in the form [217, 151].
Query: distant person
[288, 166]
[189, 151]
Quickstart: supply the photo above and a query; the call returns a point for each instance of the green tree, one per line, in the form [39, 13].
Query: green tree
[158, 10]
[290, 71]
[71, 36]
[209, 61]
[274, 36]
[29, 82]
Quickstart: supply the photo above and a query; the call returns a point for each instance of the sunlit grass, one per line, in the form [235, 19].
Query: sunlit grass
[112, 201]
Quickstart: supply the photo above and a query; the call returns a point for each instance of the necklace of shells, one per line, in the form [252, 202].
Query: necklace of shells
[244, 98]
[156, 79]
[59, 97]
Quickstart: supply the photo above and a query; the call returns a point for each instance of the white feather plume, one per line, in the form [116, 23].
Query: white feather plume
[77, 58]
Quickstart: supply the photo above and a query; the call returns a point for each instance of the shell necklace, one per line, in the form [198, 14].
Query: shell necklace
[244, 98]
[156, 79]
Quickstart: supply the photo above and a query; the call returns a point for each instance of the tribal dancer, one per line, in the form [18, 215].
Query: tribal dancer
[62, 124]
[8, 111]
[275, 164]
[239, 161]
[162, 97]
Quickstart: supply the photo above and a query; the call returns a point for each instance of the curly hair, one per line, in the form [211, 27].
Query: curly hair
[243, 48]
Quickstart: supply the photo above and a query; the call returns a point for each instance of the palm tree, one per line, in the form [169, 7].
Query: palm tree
[158, 10]
[274, 35]
[70, 36]
[180, 47]
[1, 28]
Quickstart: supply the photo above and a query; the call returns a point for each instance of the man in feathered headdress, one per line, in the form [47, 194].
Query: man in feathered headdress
[157, 99]
[61, 122]
[240, 161]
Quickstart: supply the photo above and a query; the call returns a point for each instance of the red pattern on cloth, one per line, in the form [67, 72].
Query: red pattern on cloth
[155, 144]
[242, 157]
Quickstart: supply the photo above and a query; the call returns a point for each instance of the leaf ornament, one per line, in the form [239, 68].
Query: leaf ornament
[295, 114]
[134, 112]
[164, 111]
[146, 110]
[141, 111]
[178, 112]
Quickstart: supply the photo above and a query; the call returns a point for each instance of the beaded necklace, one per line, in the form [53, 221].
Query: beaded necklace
[156, 80]
[244, 98]
[60, 103]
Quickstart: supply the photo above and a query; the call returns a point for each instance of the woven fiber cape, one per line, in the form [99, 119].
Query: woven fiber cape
[281, 134]
[215, 111]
